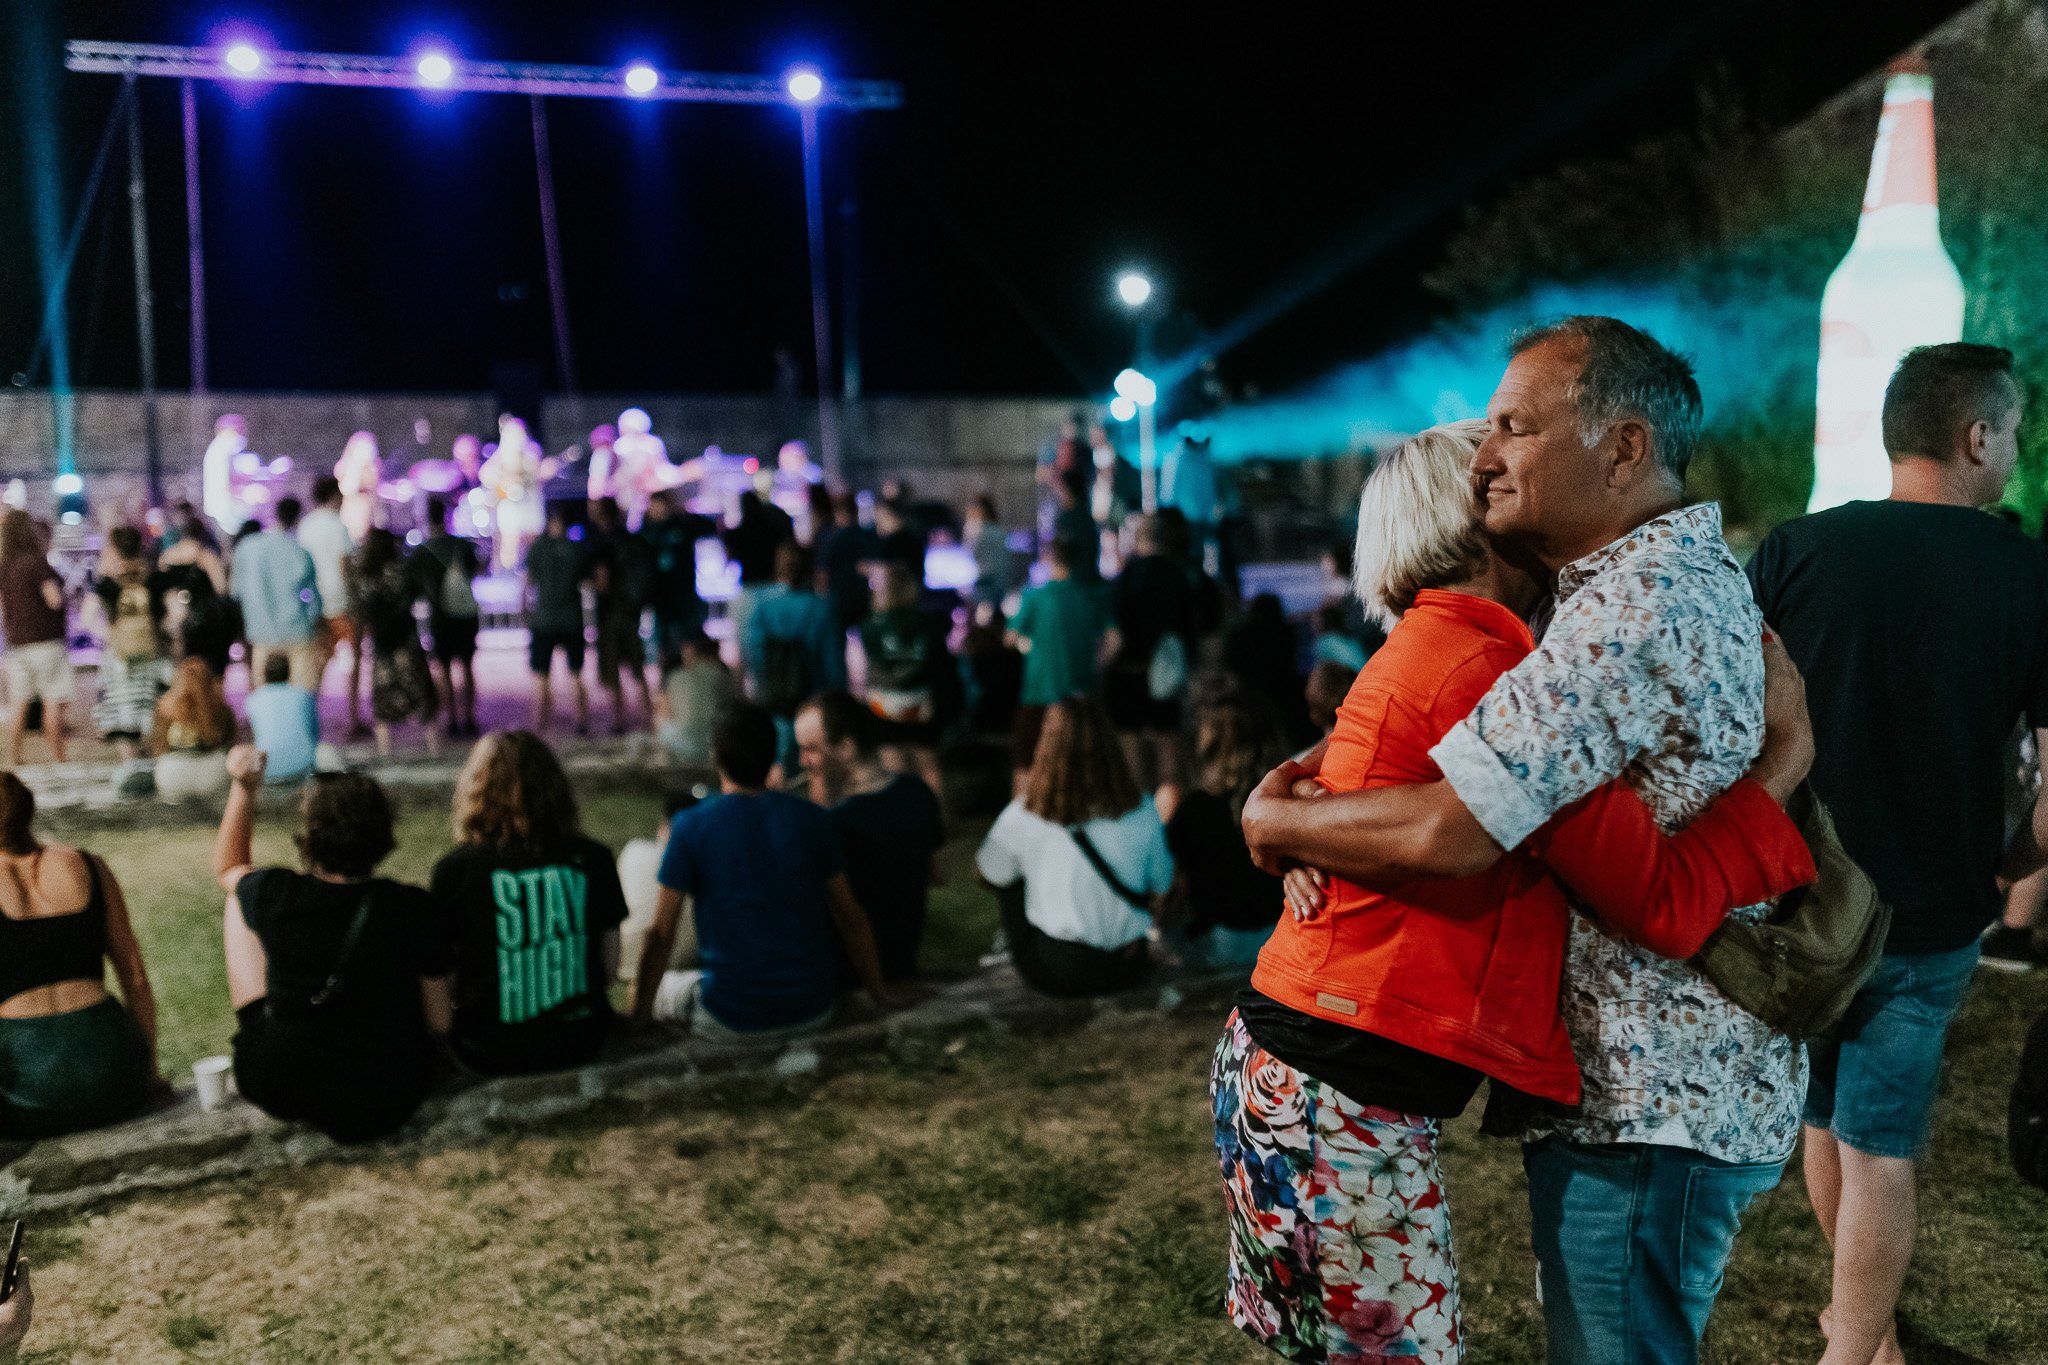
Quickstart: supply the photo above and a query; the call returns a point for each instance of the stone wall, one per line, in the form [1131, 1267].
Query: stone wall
[946, 447]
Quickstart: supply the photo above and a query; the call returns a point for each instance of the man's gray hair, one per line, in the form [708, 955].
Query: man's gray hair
[1628, 373]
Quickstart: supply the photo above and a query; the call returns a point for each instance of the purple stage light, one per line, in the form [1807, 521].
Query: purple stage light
[243, 59]
[434, 69]
[804, 85]
[641, 79]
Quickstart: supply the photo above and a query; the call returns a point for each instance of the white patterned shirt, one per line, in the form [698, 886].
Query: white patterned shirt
[1652, 669]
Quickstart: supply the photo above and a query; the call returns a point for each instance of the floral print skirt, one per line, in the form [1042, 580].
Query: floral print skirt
[1340, 1240]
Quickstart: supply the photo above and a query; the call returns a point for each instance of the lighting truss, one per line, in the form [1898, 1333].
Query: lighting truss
[504, 78]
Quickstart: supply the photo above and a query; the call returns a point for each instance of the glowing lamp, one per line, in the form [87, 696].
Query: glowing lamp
[1123, 409]
[1136, 387]
[434, 69]
[1133, 289]
[242, 59]
[804, 85]
[67, 485]
[641, 79]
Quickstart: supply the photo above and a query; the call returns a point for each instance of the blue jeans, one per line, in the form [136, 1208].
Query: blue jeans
[1631, 1241]
[1875, 1077]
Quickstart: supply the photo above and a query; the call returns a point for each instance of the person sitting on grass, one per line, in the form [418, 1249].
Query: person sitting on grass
[534, 908]
[771, 903]
[284, 722]
[640, 880]
[694, 696]
[1078, 861]
[889, 824]
[193, 730]
[71, 1056]
[339, 978]
[1229, 905]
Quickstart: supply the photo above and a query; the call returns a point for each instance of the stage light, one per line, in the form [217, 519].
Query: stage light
[1133, 289]
[1122, 409]
[67, 485]
[804, 85]
[434, 69]
[243, 60]
[641, 79]
[1136, 387]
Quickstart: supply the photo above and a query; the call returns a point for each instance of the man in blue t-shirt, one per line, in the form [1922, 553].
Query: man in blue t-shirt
[771, 903]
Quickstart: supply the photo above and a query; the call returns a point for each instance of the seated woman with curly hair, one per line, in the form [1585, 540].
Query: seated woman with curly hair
[535, 909]
[339, 977]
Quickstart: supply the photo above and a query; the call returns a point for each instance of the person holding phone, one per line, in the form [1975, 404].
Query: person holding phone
[15, 1312]
[72, 1056]
[339, 978]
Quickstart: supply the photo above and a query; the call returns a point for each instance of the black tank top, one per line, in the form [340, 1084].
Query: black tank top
[51, 948]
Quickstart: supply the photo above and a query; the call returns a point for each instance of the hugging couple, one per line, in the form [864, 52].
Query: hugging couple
[1497, 866]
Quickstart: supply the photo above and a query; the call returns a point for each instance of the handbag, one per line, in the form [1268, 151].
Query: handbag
[1140, 903]
[1799, 966]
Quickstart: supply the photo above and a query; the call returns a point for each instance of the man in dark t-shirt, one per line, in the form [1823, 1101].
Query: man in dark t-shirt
[889, 824]
[1921, 627]
[556, 569]
[536, 942]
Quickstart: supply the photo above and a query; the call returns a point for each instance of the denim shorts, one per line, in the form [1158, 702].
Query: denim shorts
[1875, 1078]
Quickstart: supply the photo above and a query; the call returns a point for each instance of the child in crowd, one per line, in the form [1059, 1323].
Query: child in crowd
[694, 695]
[284, 722]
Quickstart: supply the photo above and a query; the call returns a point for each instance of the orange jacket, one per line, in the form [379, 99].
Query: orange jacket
[1469, 969]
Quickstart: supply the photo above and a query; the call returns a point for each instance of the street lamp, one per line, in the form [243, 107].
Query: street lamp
[1134, 389]
[1133, 288]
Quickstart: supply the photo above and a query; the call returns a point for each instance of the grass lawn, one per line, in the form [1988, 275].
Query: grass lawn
[167, 875]
[1002, 1198]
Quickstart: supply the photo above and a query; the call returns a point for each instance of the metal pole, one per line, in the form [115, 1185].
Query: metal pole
[849, 285]
[1148, 460]
[195, 261]
[821, 308]
[145, 301]
[551, 241]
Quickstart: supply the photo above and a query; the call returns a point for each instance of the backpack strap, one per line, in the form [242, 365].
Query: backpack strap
[1142, 904]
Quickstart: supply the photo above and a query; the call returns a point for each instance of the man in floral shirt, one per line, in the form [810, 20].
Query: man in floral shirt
[1651, 668]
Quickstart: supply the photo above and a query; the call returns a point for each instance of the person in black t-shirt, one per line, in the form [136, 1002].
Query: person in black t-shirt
[889, 824]
[444, 570]
[623, 567]
[1153, 602]
[339, 978]
[533, 911]
[1229, 906]
[1921, 626]
[672, 534]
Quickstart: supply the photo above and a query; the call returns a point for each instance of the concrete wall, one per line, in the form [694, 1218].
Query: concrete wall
[946, 447]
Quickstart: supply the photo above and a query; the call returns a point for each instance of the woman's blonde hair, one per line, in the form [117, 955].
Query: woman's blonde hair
[1418, 519]
[1078, 772]
[513, 796]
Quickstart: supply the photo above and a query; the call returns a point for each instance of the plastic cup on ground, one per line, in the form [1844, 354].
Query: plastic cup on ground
[214, 1076]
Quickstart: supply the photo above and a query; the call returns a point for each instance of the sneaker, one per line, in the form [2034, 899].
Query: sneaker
[2009, 949]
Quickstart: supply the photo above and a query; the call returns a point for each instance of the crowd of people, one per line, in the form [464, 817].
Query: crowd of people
[1555, 743]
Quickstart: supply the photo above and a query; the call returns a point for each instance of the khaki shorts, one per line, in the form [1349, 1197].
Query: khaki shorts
[308, 660]
[40, 670]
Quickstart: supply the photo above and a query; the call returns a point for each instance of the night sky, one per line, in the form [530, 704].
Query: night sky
[377, 240]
